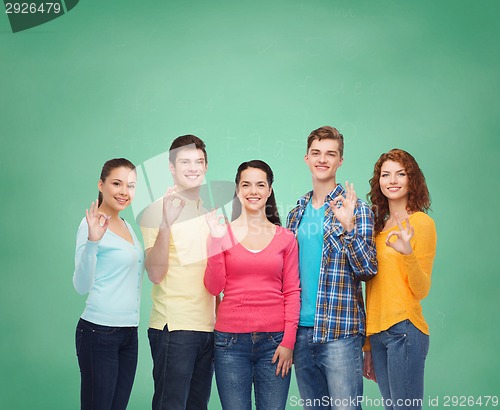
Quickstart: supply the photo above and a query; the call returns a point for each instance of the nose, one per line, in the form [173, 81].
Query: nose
[393, 179]
[124, 189]
[322, 158]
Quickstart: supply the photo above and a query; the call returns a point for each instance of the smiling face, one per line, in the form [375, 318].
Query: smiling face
[189, 168]
[393, 181]
[118, 189]
[323, 158]
[253, 189]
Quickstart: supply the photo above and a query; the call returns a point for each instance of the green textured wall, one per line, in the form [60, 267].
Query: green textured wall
[252, 79]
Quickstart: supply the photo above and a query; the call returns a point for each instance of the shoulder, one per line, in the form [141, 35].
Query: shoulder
[423, 224]
[152, 215]
[422, 219]
[83, 227]
[285, 235]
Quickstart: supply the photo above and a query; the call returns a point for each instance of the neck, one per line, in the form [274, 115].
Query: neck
[399, 207]
[257, 218]
[105, 210]
[321, 189]
[193, 194]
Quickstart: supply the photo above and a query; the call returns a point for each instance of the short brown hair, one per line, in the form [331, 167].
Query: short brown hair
[326, 132]
[185, 140]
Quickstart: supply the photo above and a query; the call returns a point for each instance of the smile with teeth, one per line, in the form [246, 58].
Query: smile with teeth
[253, 199]
[393, 188]
[191, 176]
[321, 167]
[122, 200]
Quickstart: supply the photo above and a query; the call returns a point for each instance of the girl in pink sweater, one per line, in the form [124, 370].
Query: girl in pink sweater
[254, 263]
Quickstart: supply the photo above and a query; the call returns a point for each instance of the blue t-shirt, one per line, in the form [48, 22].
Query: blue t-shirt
[310, 238]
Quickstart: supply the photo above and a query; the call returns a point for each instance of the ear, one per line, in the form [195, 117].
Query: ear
[270, 191]
[100, 186]
[341, 161]
[171, 166]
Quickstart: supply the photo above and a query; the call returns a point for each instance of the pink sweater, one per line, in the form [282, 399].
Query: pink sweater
[261, 290]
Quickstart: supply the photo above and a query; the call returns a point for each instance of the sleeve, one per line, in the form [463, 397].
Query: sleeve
[291, 292]
[215, 272]
[149, 236]
[360, 244]
[85, 260]
[418, 264]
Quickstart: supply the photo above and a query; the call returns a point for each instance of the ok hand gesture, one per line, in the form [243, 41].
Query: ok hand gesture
[216, 223]
[173, 204]
[402, 243]
[343, 208]
[97, 222]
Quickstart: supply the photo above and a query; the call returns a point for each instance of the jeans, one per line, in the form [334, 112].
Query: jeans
[398, 355]
[243, 359]
[182, 368]
[107, 357]
[329, 375]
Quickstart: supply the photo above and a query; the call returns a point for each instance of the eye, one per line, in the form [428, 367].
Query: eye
[402, 174]
[116, 183]
[384, 175]
[131, 186]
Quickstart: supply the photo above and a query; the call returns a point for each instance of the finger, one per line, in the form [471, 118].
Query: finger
[275, 356]
[408, 226]
[398, 221]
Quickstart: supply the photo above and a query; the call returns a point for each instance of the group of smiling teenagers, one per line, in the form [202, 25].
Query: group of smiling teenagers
[249, 299]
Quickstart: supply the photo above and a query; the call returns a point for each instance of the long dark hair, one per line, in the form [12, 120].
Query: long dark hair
[110, 166]
[418, 194]
[272, 213]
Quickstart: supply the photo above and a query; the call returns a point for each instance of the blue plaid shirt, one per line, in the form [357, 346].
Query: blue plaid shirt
[348, 259]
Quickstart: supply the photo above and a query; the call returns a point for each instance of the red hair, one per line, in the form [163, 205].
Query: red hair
[418, 194]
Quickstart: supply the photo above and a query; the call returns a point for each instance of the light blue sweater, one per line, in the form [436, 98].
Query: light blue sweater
[110, 271]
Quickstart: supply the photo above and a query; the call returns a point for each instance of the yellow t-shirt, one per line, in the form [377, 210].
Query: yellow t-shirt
[394, 294]
[181, 299]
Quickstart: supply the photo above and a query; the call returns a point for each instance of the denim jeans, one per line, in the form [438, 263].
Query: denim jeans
[182, 368]
[398, 355]
[107, 357]
[329, 375]
[243, 359]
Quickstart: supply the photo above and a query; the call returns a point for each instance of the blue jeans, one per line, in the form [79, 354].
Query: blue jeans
[329, 375]
[107, 357]
[182, 368]
[243, 359]
[398, 355]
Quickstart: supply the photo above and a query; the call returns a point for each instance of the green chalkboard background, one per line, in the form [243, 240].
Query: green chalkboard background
[252, 79]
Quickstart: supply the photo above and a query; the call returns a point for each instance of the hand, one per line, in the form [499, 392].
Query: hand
[402, 243]
[216, 223]
[284, 356]
[343, 208]
[173, 204]
[368, 369]
[97, 222]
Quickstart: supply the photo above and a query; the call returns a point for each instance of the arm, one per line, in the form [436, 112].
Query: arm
[360, 243]
[215, 273]
[357, 220]
[85, 260]
[291, 291]
[418, 264]
[157, 255]
[90, 233]
[156, 262]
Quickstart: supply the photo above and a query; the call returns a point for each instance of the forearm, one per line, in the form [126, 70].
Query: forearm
[85, 265]
[362, 257]
[419, 279]
[215, 273]
[157, 257]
